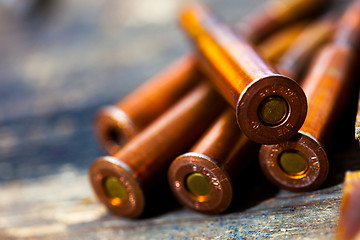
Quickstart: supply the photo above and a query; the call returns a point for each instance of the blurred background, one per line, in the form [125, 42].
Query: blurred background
[61, 60]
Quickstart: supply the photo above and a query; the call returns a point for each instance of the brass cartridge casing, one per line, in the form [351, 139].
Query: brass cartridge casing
[117, 124]
[203, 179]
[270, 107]
[301, 164]
[121, 182]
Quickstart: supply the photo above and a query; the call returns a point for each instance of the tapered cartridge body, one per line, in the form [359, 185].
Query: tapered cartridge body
[122, 181]
[276, 14]
[301, 164]
[115, 125]
[270, 107]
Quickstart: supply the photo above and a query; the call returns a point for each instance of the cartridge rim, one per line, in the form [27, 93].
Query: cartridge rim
[219, 198]
[253, 97]
[113, 128]
[130, 206]
[311, 178]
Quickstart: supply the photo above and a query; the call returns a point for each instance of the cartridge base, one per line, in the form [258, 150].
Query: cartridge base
[219, 198]
[266, 130]
[113, 128]
[106, 167]
[310, 178]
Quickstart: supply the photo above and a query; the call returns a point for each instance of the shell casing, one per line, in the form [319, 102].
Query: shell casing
[135, 173]
[219, 156]
[117, 124]
[243, 78]
[223, 152]
[327, 86]
[328, 81]
[143, 161]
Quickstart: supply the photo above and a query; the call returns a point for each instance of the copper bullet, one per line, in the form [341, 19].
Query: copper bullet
[276, 14]
[122, 181]
[301, 164]
[203, 178]
[270, 107]
[349, 222]
[115, 125]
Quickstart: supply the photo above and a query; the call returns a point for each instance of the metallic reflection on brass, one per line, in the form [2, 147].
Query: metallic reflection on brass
[138, 174]
[223, 152]
[143, 161]
[117, 124]
[243, 78]
[327, 86]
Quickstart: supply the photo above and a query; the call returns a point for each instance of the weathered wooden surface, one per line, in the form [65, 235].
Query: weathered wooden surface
[88, 53]
[63, 207]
